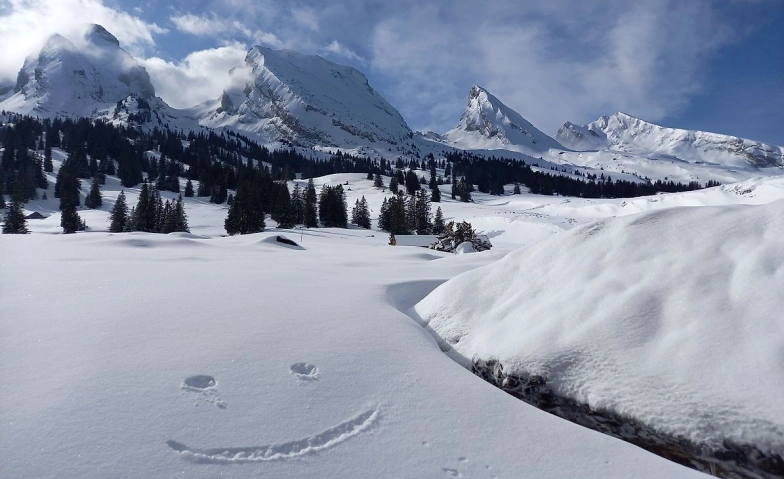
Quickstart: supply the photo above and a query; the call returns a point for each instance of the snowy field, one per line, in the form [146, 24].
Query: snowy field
[197, 355]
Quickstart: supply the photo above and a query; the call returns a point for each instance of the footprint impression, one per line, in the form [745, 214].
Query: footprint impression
[304, 371]
[206, 387]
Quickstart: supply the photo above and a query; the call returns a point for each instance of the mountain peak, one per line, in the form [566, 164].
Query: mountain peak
[309, 100]
[97, 32]
[77, 79]
[487, 123]
[626, 133]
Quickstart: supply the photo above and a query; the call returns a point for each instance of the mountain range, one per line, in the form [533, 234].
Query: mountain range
[313, 103]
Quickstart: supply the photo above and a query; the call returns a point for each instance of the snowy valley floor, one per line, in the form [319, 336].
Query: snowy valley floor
[139, 355]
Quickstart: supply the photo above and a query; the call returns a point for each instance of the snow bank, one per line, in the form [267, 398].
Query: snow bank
[672, 317]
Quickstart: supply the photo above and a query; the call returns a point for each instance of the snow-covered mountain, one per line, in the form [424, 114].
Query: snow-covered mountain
[489, 124]
[624, 133]
[306, 99]
[97, 78]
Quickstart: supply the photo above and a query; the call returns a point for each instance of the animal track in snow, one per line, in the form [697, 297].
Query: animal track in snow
[304, 371]
[318, 442]
[206, 386]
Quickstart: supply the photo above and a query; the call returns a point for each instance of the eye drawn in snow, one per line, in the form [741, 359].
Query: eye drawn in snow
[304, 371]
[271, 452]
[206, 386]
[199, 382]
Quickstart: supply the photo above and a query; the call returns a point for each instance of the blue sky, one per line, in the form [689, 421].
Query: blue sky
[715, 65]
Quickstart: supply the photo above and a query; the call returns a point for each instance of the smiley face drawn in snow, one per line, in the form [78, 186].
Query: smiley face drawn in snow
[207, 387]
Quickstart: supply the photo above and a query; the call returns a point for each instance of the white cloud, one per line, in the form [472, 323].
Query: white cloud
[551, 61]
[28, 23]
[198, 77]
[198, 25]
[306, 17]
[341, 50]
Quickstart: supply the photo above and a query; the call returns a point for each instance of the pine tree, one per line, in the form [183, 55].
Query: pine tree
[67, 185]
[146, 213]
[40, 175]
[48, 166]
[189, 189]
[70, 220]
[363, 214]
[15, 221]
[438, 222]
[383, 215]
[180, 218]
[167, 218]
[354, 212]
[311, 212]
[396, 215]
[93, 200]
[435, 192]
[412, 182]
[411, 214]
[516, 189]
[119, 214]
[298, 204]
[393, 185]
[423, 223]
[2, 194]
[245, 213]
[377, 181]
[283, 212]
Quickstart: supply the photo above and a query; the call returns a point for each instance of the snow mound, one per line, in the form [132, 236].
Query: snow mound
[670, 317]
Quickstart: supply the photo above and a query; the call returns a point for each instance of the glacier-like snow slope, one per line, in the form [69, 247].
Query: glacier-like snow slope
[624, 133]
[672, 317]
[488, 124]
[192, 355]
[282, 94]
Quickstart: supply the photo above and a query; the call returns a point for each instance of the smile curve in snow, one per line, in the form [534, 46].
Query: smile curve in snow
[323, 440]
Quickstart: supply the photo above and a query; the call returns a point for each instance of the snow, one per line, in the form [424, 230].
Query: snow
[140, 355]
[198, 355]
[671, 317]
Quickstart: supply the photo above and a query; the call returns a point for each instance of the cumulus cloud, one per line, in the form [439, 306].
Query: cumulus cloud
[28, 23]
[198, 77]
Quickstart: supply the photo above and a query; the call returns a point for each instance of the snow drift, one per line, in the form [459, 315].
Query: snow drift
[672, 318]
